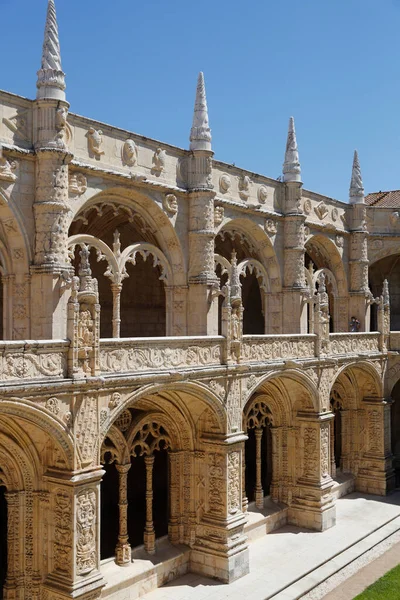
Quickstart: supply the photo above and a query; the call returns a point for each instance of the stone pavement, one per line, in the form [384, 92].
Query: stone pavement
[287, 563]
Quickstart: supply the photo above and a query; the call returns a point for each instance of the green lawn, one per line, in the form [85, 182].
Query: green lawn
[386, 588]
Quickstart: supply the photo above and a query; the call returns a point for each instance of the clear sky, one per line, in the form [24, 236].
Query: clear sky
[332, 64]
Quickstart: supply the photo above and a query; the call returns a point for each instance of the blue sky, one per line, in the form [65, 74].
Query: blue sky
[333, 65]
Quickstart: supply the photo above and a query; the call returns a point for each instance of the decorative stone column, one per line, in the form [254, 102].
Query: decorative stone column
[197, 172]
[294, 309]
[220, 549]
[258, 491]
[149, 533]
[51, 208]
[376, 474]
[116, 289]
[313, 505]
[359, 287]
[75, 535]
[123, 549]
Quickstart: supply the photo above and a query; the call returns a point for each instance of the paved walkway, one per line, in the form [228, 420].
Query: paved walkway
[282, 558]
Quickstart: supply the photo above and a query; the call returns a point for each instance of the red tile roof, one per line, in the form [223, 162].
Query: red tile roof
[389, 199]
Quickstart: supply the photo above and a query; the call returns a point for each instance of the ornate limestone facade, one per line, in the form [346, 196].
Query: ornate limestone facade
[177, 367]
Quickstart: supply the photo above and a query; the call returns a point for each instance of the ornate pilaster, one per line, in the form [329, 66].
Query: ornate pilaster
[220, 549]
[123, 549]
[75, 535]
[116, 289]
[84, 322]
[293, 235]
[313, 505]
[376, 474]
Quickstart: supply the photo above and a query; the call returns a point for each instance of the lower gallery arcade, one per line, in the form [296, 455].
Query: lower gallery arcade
[186, 466]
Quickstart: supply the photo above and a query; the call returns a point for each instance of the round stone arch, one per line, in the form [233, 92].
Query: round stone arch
[293, 378]
[355, 393]
[16, 236]
[328, 259]
[174, 395]
[326, 255]
[385, 265]
[365, 378]
[263, 246]
[20, 476]
[271, 423]
[53, 427]
[148, 207]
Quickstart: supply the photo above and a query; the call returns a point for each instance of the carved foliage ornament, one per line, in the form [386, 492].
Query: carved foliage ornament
[86, 532]
[270, 227]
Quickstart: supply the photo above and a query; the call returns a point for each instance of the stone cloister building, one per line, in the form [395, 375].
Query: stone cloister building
[177, 372]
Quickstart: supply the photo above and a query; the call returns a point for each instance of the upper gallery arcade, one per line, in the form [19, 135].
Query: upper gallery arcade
[176, 347]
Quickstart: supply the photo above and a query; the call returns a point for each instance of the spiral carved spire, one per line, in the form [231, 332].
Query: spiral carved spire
[51, 78]
[200, 135]
[356, 185]
[291, 166]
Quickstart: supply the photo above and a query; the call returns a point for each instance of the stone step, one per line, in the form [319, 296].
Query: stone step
[310, 580]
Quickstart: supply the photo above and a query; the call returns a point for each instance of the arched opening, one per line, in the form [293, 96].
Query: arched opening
[143, 309]
[386, 268]
[131, 284]
[336, 408]
[323, 255]
[109, 512]
[226, 243]
[2, 304]
[258, 453]
[395, 431]
[3, 539]
[135, 489]
[253, 317]
[313, 285]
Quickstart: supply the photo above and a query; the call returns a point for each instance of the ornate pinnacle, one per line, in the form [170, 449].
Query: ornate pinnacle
[385, 293]
[200, 134]
[235, 279]
[356, 185]
[51, 78]
[291, 166]
[84, 271]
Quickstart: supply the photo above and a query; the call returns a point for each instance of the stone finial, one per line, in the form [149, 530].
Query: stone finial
[291, 166]
[356, 185]
[235, 279]
[51, 78]
[84, 271]
[200, 134]
[385, 293]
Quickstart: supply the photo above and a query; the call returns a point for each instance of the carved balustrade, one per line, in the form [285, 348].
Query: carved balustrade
[48, 359]
[125, 355]
[33, 359]
[353, 343]
[262, 348]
